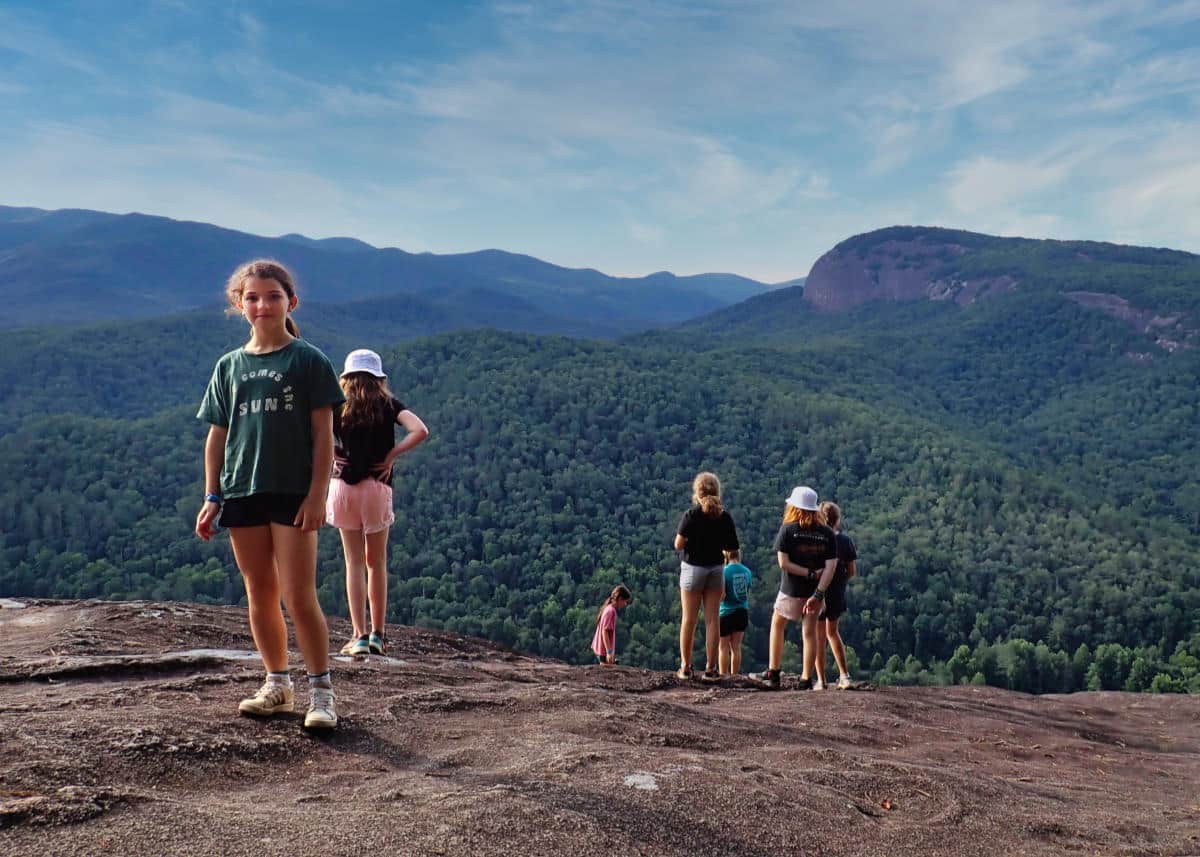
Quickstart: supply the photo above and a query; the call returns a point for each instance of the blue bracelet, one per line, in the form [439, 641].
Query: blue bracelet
[214, 498]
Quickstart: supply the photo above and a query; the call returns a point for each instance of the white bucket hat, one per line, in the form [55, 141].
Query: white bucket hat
[803, 497]
[364, 360]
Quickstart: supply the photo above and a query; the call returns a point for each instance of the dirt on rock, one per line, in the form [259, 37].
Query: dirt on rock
[120, 735]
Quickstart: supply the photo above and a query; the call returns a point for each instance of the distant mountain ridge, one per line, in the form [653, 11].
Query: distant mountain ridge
[73, 266]
[1152, 289]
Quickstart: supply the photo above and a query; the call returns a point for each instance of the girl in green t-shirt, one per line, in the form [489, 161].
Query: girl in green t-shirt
[267, 462]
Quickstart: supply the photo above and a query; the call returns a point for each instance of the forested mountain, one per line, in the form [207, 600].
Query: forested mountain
[1019, 481]
[72, 266]
[1151, 289]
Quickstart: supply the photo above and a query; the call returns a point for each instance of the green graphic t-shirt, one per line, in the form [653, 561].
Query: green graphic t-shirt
[266, 401]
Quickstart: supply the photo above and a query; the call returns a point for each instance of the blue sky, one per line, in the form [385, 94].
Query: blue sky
[626, 135]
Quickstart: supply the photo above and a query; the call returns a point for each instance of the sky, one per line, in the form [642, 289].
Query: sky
[631, 136]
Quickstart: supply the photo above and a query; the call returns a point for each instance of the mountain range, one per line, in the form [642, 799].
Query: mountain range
[1010, 433]
[72, 266]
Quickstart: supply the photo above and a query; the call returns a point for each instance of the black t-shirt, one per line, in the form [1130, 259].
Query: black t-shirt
[707, 537]
[359, 448]
[846, 553]
[808, 547]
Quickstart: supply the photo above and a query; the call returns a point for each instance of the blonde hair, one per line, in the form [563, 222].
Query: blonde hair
[706, 493]
[367, 399]
[266, 269]
[832, 513]
[804, 517]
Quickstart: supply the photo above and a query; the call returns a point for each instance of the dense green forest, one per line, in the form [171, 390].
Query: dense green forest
[1021, 492]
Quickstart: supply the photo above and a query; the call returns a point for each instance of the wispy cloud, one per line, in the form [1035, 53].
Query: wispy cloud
[21, 37]
[741, 135]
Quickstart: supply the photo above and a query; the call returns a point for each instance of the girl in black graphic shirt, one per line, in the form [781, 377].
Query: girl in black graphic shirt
[807, 554]
[360, 493]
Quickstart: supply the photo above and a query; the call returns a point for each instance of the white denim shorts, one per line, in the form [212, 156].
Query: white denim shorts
[701, 578]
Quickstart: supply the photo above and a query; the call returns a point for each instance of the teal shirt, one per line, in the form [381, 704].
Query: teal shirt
[265, 401]
[737, 588]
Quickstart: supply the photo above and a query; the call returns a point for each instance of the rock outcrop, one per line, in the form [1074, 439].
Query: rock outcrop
[120, 737]
[907, 268]
[910, 263]
[1170, 332]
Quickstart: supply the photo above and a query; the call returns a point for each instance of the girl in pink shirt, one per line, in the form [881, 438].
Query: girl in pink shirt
[604, 641]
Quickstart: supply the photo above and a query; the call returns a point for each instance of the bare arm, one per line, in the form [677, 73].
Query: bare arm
[812, 605]
[680, 542]
[214, 461]
[312, 511]
[851, 569]
[610, 645]
[416, 433]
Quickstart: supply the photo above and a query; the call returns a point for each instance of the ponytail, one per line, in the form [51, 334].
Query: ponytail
[706, 493]
[291, 326]
[620, 593]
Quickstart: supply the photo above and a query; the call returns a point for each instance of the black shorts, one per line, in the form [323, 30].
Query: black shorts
[258, 510]
[835, 602]
[732, 623]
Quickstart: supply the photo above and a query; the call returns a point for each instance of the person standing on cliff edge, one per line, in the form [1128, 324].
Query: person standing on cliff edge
[705, 532]
[807, 553]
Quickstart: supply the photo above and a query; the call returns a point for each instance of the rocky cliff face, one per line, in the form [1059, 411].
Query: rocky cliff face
[120, 736]
[1170, 332]
[910, 263]
[901, 269]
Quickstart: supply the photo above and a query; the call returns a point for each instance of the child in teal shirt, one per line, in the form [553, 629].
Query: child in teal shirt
[735, 613]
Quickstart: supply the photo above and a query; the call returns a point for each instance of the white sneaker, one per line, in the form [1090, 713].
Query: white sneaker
[320, 709]
[271, 698]
[843, 682]
[818, 684]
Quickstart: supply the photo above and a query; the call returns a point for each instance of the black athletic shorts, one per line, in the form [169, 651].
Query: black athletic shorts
[835, 601]
[258, 510]
[733, 622]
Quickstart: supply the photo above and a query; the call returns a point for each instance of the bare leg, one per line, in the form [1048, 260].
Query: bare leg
[819, 651]
[712, 626]
[253, 550]
[353, 546]
[735, 651]
[809, 630]
[778, 626]
[296, 560]
[377, 577]
[835, 643]
[725, 656]
[690, 602]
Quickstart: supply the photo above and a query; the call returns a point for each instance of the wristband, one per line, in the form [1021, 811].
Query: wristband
[214, 498]
[819, 594]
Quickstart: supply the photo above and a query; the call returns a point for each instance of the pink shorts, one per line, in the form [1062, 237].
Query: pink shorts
[365, 505]
[789, 607]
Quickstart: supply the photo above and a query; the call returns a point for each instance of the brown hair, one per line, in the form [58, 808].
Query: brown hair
[620, 592]
[832, 513]
[367, 399]
[706, 493]
[804, 517]
[266, 269]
